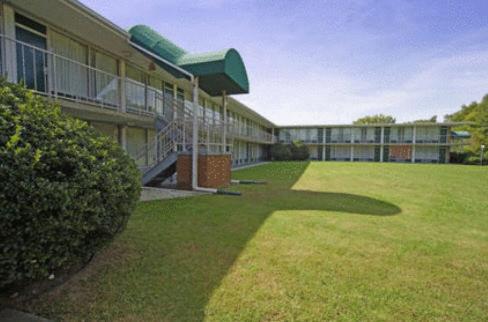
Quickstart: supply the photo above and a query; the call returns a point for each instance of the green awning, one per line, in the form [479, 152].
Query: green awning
[217, 71]
[460, 134]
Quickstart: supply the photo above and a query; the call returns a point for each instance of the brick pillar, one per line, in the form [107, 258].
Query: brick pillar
[214, 170]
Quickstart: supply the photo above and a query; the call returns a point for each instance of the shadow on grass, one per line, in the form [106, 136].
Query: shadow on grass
[185, 247]
[337, 202]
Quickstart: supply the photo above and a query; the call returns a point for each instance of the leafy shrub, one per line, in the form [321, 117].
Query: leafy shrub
[65, 189]
[472, 159]
[299, 151]
[280, 152]
[286, 152]
[476, 159]
[458, 157]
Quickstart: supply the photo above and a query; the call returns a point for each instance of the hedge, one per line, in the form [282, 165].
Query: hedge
[65, 189]
[286, 152]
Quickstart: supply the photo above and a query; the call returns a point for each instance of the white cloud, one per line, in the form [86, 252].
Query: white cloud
[435, 83]
[310, 65]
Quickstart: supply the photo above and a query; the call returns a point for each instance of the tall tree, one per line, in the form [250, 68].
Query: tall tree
[433, 119]
[375, 119]
[476, 114]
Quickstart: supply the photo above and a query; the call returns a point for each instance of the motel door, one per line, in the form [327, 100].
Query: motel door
[442, 155]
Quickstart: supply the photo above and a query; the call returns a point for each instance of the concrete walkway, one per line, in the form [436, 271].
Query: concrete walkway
[149, 193]
[252, 165]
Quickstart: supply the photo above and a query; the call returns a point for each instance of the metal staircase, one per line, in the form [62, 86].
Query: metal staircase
[157, 159]
[159, 156]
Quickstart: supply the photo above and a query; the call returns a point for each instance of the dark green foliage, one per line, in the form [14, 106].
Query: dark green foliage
[375, 119]
[433, 119]
[65, 189]
[458, 157]
[288, 152]
[299, 151]
[476, 114]
[476, 159]
[280, 152]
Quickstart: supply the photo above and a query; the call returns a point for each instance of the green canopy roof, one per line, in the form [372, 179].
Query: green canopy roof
[217, 71]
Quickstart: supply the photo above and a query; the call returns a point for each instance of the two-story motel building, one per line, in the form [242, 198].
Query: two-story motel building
[409, 142]
[132, 85]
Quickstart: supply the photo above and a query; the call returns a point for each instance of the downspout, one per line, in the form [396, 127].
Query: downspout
[194, 81]
[194, 163]
[194, 152]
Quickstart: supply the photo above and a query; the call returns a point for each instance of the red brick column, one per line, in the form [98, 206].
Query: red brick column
[183, 170]
[214, 170]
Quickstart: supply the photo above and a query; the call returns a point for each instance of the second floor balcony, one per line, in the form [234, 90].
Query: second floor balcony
[54, 75]
[60, 77]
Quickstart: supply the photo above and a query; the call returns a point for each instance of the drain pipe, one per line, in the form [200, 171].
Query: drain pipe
[195, 148]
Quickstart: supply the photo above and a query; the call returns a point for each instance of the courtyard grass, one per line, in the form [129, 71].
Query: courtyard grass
[321, 241]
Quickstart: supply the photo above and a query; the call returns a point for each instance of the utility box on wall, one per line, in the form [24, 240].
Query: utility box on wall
[214, 170]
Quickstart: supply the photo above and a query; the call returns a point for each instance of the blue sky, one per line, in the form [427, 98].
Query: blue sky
[314, 61]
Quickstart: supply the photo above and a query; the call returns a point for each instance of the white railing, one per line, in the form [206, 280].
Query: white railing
[51, 74]
[440, 139]
[176, 136]
[54, 75]
[136, 99]
[250, 133]
[164, 143]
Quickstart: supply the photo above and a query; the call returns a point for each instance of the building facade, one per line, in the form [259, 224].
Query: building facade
[139, 88]
[63, 50]
[417, 143]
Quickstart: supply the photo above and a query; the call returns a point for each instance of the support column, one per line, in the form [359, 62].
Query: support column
[414, 139]
[352, 153]
[175, 102]
[122, 92]
[382, 144]
[224, 127]
[324, 141]
[9, 50]
[194, 178]
[123, 136]
[148, 154]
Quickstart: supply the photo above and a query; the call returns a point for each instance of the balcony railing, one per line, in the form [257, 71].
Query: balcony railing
[250, 133]
[54, 75]
[436, 139]
[51, 74]
[339, 139]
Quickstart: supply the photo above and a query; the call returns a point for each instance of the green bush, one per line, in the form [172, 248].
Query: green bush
[65, 189]
[287, 152]
[299, 151]
[280, 152]
[475, 158]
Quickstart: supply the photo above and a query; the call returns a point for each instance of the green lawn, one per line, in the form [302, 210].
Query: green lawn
[320, 241]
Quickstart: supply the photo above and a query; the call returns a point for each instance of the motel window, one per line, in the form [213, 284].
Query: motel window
[155, 96]
[71, 72]
[31, 56]
[104, 83]
[168, 94]
[135, 89]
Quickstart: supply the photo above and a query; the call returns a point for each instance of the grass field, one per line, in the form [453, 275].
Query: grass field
[320, 241]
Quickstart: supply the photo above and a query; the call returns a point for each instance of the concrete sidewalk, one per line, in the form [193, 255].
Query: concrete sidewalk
[149, 193]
